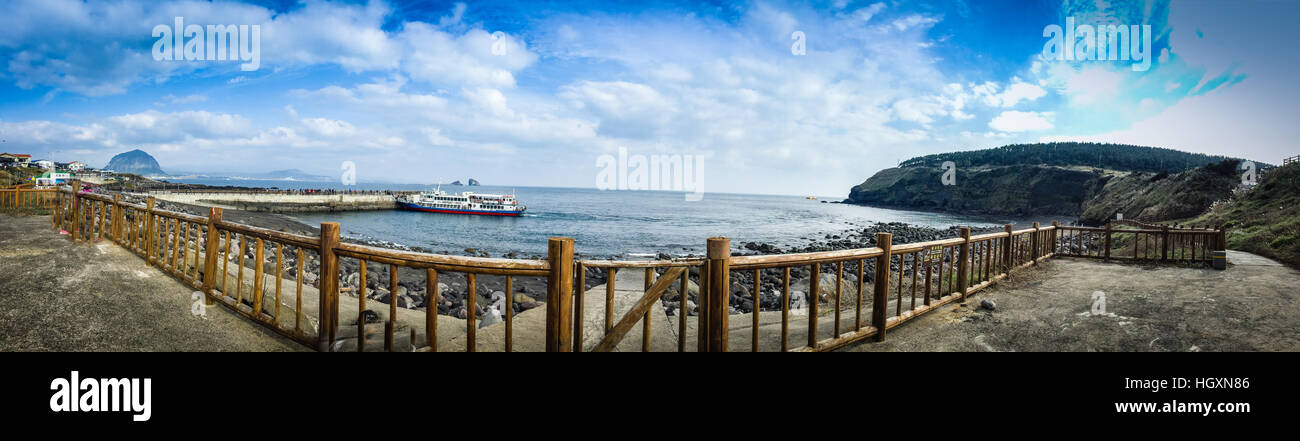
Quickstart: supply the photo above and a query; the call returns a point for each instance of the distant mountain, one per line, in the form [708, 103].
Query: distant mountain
[136, 162]
[456, 183]
[472, 182]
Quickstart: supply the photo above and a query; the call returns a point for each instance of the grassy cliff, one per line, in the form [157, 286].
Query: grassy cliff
[1160, 197]
[1264, 220]
[1090, 181]
[999, 190]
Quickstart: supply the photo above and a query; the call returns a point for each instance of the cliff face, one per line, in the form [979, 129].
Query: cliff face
[1004, 190]
[1155, 197]
[1022, 190]
[135, 161]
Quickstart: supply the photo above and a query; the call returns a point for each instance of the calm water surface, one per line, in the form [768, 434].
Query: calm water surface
[612, 222]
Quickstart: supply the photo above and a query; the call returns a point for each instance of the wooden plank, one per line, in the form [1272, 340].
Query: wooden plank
[259, 260]
[880, 297]
[559, 295]
[639, 310]
[785, 311]
[758, 305]
[329, 287]
[719, 254]
[431, 300]
[361, 305]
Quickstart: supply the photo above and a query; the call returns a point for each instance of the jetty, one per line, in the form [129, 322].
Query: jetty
[281, 201]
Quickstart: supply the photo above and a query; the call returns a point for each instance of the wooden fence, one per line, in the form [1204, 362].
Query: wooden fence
[27, 198]
[904, 281]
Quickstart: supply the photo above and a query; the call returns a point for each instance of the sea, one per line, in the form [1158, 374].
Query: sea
[609, 223]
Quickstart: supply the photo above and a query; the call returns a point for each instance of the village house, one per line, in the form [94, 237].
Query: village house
[14, 159]
[76, 166]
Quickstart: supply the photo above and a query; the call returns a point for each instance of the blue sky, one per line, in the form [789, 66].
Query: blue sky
[414, 92]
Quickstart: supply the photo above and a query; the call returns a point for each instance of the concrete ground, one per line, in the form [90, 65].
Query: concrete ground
[59, 296]
[1254, 305]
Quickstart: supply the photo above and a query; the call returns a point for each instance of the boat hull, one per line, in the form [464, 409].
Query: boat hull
[414, 207]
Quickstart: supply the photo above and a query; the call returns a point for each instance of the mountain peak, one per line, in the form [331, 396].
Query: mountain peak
[135, 161]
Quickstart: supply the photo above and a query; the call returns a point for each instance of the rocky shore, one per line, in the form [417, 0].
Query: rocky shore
[530, 292]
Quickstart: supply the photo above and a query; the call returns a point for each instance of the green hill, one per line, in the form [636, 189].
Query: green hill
[1091, 181]
[1264, 220]
[1064, 154]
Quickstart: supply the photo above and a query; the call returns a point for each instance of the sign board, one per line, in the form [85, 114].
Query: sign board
[934, 254]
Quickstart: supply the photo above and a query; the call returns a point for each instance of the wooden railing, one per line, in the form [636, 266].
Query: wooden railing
[12, 198]
[1129, 240]
[865, 305]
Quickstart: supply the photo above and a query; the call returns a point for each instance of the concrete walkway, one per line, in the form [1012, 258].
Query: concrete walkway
[1254, 305]
[56, 295]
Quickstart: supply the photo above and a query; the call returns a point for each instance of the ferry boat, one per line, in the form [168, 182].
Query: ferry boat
[439, 201]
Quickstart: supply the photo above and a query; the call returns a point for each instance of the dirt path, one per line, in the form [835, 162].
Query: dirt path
[59, 296]
[1252, 306]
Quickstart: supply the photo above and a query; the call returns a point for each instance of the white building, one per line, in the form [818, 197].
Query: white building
[76, 166]
[45, 164]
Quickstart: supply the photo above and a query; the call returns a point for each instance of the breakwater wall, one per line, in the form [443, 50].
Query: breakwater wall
[282, 203]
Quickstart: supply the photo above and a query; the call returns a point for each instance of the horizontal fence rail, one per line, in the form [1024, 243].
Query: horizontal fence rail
[20, 198]
[292, 283]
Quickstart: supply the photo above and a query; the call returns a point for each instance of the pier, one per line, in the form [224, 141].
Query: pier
[281, 202]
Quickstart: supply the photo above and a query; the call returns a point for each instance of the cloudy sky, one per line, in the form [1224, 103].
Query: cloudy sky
[533, 93]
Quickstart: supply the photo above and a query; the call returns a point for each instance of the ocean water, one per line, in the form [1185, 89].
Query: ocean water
[611, 223]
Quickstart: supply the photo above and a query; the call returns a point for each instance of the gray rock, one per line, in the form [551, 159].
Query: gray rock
[491, 317]
[988, 304]
[798, 300]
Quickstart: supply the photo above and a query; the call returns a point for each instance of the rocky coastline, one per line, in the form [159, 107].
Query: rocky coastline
[530, 292]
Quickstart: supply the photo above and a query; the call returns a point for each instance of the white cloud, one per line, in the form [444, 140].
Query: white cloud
[1017, 121]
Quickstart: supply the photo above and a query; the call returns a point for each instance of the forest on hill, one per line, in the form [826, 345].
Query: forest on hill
[1107, 156]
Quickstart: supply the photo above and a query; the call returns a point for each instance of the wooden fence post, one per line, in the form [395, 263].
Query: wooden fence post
[149, 230]
[76, 215]
[702, 308]
[880, 297]
[1056, 226]
[559, 295]
[329, 283]
[963, 262]
[719, 253]
[54, 213]
[1164, 242]
[1222, 238]
[1034, 244]
[117, 217]
[211, 254]
[1107, 258]
[1006, 250]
